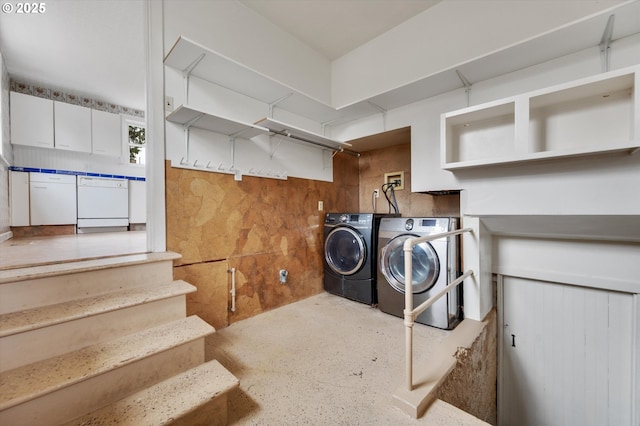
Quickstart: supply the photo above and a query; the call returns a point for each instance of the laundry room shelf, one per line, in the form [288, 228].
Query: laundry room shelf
[593, 116]
[283, 129]
[192, 117]
[194, 59]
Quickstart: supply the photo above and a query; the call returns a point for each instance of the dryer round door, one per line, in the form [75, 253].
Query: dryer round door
[425, 264]
[345, 250]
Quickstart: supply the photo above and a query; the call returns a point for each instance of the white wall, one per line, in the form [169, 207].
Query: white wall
[24, 156]
[238, 33]
[585, 186]
[448, 34]
[575, 186]
[235, 31]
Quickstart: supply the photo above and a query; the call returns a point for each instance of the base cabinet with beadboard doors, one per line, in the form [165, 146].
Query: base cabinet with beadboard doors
[566, 354]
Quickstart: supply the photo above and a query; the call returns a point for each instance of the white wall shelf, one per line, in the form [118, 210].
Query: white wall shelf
[593, 116]
[218, 69]
[188, 116]
[287, 130]
[192, 117]
[194, 59]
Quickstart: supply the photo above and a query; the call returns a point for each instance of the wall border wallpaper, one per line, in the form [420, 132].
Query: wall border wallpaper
[70, 98]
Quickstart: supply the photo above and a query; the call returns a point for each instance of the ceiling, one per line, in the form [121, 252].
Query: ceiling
[89, 48]
[336, 27]
[57, 49]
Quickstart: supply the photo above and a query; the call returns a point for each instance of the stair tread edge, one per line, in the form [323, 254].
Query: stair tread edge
[84, 265]
[175, 396]
[31, 319]
[42, 377]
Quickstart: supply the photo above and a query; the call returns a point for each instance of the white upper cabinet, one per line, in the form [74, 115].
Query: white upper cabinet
[31, 120]
[72, 127]
[106, 133]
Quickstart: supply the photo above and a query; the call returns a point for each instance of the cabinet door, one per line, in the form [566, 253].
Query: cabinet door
[53, 199]
[106, 134]
[31, 120]
[137, 201]
[567, 355]
[19, 198]
[72, 127]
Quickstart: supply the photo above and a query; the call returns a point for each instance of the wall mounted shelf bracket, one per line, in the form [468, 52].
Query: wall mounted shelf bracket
[186, 73]
[276, 102]
[186, 126]
[383, 112]
[605, 44]
[467, 84]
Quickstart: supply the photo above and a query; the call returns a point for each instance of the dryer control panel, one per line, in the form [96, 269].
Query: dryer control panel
[348, 218]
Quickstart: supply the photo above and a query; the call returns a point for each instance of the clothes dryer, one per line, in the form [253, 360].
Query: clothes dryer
[350, 259]
[435, 265]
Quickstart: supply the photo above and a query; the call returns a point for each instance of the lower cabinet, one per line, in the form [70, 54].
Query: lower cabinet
[137, 201]
[52, 199]
[19, 198]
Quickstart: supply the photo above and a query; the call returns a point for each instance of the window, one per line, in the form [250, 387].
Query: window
[137, 143]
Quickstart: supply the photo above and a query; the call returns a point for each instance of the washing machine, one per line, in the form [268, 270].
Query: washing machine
[350, 256]
[435, 265]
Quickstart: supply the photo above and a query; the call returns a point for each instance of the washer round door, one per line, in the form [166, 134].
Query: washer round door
[425, 264]
[345, 250]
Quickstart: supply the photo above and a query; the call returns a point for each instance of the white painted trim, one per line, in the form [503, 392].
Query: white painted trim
[154, 47]
[601, 283]
[6, 236]
[476, 255]
[635, 415]
[500, 327]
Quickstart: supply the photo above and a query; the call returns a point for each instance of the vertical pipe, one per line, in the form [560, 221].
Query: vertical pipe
[408, 312]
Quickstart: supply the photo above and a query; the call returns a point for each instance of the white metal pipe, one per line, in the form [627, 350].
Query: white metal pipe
[233, 289]
[414, 241]
[409, 313]
[433, 299]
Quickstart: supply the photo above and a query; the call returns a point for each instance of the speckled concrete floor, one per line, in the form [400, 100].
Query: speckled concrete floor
[321, 361]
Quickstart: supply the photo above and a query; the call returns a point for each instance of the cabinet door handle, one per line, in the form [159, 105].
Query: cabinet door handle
[40, 187]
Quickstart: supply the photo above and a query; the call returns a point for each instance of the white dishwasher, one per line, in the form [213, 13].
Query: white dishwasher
[103, 204]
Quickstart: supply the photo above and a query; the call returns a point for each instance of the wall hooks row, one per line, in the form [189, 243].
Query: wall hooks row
[280, 174]
[232, 169]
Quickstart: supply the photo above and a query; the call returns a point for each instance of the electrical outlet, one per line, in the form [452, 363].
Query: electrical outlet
[376, 193]
[168, 103]
[320, 206]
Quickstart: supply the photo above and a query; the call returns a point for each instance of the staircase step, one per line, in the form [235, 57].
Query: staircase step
[28, 288]
[61, 388]
[35, 334]
[195, 397]
[31, 319]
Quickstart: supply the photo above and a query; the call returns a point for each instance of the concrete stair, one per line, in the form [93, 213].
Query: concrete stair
[101, 334]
